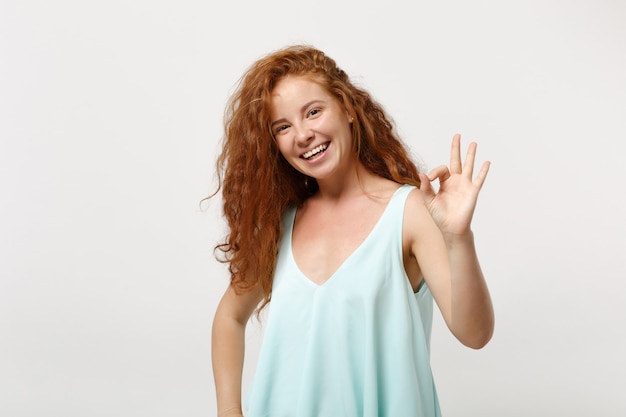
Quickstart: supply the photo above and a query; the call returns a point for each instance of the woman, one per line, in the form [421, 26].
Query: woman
[331, 220]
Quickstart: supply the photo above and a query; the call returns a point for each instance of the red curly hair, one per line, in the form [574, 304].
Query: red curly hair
[258, 184]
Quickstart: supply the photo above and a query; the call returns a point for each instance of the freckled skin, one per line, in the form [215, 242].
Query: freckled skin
[304, 116]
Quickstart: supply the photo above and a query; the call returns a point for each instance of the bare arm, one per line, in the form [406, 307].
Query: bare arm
[228, 339]
[453, 274]
[443, 244]
[471, 315]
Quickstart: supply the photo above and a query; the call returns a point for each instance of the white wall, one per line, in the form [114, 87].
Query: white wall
[110, 116]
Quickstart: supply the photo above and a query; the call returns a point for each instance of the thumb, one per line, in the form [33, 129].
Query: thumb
[426, 187]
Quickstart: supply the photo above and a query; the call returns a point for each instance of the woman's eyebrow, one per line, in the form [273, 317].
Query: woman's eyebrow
[302, 109]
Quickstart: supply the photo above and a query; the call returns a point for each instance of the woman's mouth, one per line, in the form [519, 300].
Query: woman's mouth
[315, 152]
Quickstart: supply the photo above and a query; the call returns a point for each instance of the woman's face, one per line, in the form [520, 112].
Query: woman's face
[312, 128]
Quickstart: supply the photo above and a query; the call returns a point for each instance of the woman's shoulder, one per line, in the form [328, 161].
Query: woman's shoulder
[415, 198]
[417, 218]
[382, 188]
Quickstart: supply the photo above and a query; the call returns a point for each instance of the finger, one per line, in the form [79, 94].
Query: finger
[441, 172]
[455, 155]
[468, 166]
[482, 174]
[426, 187]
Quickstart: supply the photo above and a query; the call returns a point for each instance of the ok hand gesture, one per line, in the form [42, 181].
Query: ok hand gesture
[452, 207]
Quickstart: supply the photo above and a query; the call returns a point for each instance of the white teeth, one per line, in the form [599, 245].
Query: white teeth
[315, 151]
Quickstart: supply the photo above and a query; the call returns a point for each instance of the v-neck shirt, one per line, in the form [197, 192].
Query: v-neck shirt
[355, 346]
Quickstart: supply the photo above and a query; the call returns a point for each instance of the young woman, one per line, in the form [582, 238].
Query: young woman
[331, 221]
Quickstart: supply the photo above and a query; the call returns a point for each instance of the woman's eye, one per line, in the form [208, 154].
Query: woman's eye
[280, 128]
[314, 112]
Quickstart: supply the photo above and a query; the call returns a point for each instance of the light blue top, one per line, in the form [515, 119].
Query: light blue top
[356, 346]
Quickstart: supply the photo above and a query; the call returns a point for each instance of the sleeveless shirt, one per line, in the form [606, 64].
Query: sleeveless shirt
[357, 345]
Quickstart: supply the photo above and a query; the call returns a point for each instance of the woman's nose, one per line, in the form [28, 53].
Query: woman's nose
[304, 135]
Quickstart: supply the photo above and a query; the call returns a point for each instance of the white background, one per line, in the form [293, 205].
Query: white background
[110, 118]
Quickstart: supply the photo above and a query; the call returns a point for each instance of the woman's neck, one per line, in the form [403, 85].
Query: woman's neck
[358, 181]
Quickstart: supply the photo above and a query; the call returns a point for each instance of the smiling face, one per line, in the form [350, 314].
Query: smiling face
[312, 128]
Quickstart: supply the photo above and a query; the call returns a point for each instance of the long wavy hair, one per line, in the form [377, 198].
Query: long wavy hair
[258, 184]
